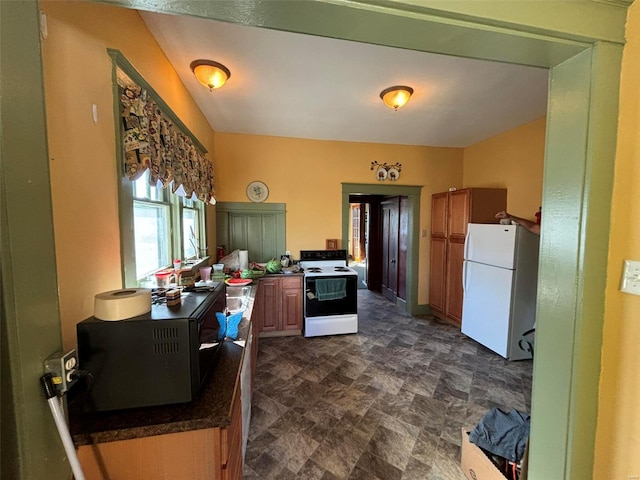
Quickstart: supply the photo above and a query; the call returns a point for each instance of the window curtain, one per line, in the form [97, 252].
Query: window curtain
[152, 141]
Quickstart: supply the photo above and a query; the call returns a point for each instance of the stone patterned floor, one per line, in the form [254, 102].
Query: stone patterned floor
[387, 403]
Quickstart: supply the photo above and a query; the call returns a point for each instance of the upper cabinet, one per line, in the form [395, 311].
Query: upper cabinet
[451, 212]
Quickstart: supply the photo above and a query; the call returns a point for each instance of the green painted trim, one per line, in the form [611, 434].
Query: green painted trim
[423, 310]
[578, 183]
[351, 21]
[125, 189]
[30, 329]
[120, 61]
[400, 24]
[246, 207]
[412, 192]
[595, 223]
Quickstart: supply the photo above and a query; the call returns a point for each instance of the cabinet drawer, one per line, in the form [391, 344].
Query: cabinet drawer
[291, 282]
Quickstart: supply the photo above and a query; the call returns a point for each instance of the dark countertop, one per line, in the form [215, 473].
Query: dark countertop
[211, 408]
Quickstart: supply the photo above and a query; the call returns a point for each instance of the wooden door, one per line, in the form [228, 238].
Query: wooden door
[390, 229]
[438, 255]
[458, 213]
[437, 274]
[454, 291]
[402, 247]
[439, 214]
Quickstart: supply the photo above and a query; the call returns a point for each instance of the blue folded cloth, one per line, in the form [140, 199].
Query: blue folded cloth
[222, 320]
[228, 325]
[232, 325]
[331, 288]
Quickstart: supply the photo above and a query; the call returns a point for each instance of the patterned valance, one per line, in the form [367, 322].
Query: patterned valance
[153, 141]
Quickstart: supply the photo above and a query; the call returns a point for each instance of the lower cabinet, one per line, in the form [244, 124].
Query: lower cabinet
[279, 306]
[207, 454]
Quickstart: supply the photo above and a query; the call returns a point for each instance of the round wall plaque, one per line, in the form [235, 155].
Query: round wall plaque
[257, 191]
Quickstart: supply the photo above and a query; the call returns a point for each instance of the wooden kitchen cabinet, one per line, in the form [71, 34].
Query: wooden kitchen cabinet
[279, 306]
[207, 454]
[450, 214]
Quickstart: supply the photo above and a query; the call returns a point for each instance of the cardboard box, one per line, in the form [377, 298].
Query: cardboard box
[475, 463]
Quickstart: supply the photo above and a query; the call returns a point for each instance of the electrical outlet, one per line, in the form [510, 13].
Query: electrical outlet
[631, 277]
[64, 369]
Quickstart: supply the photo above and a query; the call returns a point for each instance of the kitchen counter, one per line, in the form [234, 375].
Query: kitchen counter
[211, 408]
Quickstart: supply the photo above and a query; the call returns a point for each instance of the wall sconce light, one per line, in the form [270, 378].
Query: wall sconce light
[395, 97]
[209, 73]
[386, 172]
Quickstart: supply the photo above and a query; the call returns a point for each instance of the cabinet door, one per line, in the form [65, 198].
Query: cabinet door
[269, 300]
[437, 274]
[291, 309]
[454, 290]
[232, 444]
[458, 213]
[291, 306]
[439, 213]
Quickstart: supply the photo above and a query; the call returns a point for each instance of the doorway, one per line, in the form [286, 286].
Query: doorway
[389, 263]
[359, 247]
[571, 181]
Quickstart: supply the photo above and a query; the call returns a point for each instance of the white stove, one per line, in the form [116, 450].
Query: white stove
[327, 271]
[330, 301]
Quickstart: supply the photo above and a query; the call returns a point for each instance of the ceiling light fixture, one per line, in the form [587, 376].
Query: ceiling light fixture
[395, 97]
[209, 73]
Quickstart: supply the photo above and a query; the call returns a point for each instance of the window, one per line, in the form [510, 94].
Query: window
[156, 224]
[191, 223]
[165, 226]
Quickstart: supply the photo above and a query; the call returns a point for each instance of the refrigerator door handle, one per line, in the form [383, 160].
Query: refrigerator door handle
[464, 275]
[466, 243]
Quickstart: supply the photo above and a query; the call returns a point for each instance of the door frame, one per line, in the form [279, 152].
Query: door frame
[412, 192]
[580, 151]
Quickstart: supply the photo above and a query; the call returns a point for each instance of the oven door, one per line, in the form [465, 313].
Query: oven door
[330, 295]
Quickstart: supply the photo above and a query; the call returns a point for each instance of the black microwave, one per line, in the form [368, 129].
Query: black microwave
[159, 358]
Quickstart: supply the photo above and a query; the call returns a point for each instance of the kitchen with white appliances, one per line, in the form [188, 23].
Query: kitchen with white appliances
[500, 276]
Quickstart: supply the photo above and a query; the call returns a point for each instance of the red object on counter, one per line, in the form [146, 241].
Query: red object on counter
[220, 252]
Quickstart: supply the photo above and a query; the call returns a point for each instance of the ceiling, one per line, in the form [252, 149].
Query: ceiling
[303, 86]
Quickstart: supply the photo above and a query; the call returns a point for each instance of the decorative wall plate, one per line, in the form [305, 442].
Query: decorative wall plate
[381, 173]
[257, 191]
[393, 174]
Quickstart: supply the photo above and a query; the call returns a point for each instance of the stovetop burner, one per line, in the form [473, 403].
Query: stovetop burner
[325, 263]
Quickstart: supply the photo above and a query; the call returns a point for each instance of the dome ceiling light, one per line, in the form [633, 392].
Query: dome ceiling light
[395, 97]
[210, 74]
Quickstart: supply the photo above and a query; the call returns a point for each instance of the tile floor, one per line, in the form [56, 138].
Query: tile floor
[387, 403]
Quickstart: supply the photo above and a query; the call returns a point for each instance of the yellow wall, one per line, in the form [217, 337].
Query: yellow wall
[77, 72]
[513, 160]
[618, 442]
[307, 176]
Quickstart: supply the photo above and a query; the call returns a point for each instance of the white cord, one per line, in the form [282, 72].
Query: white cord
[63, 430]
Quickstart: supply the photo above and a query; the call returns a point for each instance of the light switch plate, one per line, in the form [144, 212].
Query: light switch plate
[631, 277]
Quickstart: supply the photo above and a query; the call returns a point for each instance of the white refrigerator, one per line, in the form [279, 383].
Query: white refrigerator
[500, 277]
